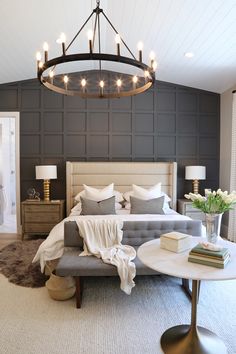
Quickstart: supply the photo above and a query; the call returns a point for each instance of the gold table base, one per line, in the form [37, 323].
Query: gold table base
[192, 339]
[185, 340]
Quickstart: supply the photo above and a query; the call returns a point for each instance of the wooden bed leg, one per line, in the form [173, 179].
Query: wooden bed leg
[78, 292]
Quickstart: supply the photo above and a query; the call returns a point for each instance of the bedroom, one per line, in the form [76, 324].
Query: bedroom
[186, 119]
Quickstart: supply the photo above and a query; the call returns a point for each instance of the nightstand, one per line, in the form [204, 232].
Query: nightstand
[185, 207]
[39, 217]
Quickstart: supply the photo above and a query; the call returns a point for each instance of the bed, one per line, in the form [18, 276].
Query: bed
[136, 228]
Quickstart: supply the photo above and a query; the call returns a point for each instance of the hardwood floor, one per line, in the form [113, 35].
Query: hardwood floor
[6, 238]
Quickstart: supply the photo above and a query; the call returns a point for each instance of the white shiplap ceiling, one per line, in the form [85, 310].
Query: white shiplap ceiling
[168, 27]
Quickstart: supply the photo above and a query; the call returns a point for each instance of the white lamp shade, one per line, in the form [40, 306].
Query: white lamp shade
[46, 172]
[195, 172]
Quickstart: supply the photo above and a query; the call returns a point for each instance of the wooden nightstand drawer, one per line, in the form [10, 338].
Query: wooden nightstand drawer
[43, 208]
[39, 217]
[39, 228]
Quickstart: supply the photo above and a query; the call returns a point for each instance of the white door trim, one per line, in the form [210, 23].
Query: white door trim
[16, 116]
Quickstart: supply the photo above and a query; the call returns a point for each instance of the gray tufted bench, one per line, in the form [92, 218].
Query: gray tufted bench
[135, 233]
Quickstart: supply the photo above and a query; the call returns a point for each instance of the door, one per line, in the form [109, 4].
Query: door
[9, 173]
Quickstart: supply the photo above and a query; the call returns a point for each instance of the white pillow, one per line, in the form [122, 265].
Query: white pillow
[143, 193]
[146, 194]
[118, 196]
[98, 194]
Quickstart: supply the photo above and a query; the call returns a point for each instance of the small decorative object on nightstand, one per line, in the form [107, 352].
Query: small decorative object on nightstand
[38, 218]
[185, 207]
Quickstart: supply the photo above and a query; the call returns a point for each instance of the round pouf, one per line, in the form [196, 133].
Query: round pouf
[60, 288]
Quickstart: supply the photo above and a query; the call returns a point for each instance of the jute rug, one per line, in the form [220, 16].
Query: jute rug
[16, 264]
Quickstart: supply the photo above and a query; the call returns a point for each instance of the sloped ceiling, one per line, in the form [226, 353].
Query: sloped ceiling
[168, 27]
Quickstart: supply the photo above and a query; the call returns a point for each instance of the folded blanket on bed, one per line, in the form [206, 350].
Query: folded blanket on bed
[102, 238]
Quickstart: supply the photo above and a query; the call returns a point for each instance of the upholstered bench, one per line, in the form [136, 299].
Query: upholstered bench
[134, 234]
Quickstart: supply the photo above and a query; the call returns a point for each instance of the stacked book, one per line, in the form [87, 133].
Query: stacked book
[208, 257]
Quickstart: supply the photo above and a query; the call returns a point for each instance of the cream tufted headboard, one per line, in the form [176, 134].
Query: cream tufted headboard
[123, 174]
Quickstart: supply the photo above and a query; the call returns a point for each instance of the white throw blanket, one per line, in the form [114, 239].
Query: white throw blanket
[102, 238]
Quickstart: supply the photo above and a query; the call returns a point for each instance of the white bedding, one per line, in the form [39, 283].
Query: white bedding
[53, 246]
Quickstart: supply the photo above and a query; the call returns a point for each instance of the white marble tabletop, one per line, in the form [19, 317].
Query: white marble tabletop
[176, 264]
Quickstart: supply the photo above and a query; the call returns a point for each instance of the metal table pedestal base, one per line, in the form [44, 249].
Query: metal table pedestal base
[191, 339]
[185, 339]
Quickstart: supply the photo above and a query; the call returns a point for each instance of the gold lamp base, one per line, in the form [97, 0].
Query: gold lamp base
[46, 190]
[195, 186]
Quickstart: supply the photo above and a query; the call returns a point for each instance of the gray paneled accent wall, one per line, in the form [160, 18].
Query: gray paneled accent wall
[167, 123]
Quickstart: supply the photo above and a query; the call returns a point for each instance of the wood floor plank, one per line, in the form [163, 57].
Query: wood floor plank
[6, 239]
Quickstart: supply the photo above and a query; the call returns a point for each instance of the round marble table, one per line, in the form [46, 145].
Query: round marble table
[190, 339]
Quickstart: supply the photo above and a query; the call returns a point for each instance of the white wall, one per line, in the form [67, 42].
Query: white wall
[225, 145]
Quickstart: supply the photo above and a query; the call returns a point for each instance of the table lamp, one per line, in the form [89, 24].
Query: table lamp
[195, 173]
[46, 172]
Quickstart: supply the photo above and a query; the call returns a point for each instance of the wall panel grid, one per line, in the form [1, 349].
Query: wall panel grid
[166, 123]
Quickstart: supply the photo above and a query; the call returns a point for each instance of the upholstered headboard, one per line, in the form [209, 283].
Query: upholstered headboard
[122, 174]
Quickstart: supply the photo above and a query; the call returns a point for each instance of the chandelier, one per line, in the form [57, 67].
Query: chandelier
[96, 74]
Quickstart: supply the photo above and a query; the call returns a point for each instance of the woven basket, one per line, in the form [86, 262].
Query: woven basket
[60, 288]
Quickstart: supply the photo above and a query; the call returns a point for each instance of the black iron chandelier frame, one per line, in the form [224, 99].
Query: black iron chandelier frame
[49, 82]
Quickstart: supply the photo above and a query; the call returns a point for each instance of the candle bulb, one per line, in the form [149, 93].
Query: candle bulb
[135, 80]
[62, 41]
[118, 83]
[83, 84]
[90, 37]
[152, 57]
[66, 79]
[118, 40]
[154, 65]
[140, 48]
[38, 58]
[51, 75]
[45, 48]
[101, 84]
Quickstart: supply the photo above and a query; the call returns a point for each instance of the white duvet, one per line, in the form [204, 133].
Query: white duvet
[53, 246]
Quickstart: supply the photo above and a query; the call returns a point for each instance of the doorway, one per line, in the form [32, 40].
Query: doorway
[9, 173]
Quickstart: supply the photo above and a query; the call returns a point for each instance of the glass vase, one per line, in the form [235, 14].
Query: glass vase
[213, 223]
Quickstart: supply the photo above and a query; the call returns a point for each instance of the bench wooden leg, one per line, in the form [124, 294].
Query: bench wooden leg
[79, 291]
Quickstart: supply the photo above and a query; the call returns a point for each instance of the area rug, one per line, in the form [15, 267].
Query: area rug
[109, 321]
[16, 264]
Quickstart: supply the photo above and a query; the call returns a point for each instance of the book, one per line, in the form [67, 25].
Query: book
[213, 260]
[175, 241]
[209, 263]
[207, 257]
[198, 249]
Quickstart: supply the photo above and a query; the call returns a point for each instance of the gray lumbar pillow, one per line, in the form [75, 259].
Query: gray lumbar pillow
[151, 206]
[91, 207]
